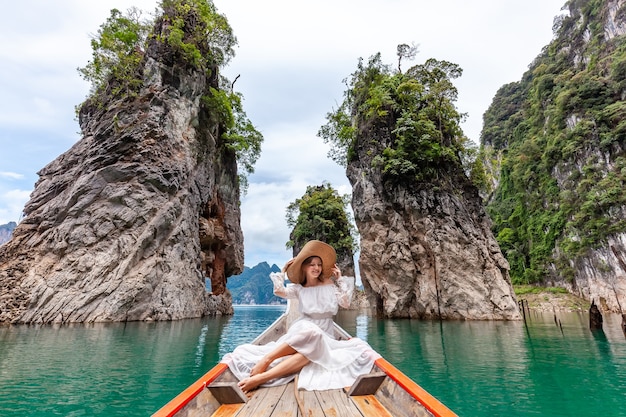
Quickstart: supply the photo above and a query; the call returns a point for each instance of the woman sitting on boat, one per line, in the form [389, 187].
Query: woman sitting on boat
[309, 348]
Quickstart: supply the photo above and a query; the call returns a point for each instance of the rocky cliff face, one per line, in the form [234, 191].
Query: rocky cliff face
[600, 271]
[557, 144]
[127, 223]
[426, 252]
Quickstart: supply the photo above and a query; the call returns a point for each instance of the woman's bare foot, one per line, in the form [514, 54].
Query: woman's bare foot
[261, 366]
[250, 383]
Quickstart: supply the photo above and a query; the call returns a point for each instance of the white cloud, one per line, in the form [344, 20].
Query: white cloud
[11, 175]
[292, 58]
[11, 204]
[293, 158]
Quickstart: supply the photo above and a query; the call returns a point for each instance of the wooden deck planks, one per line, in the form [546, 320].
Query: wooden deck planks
[370, 406]
[310, 404]
[335, 403]
[287, 406]
[281, 401]
[263, 402]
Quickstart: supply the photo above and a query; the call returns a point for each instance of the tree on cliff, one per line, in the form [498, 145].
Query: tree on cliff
[321, 214]
[119, 48]
[425, 123]
[426, 247]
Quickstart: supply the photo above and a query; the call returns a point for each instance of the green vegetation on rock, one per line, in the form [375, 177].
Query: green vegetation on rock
[418, 105]
[321, 213]
[555, 141]
[196, 36]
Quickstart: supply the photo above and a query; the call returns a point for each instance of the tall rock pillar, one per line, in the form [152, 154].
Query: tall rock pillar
[128, 223]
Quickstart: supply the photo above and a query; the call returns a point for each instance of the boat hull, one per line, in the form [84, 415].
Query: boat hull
[386, 391]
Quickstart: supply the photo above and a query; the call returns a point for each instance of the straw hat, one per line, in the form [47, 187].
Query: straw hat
[312, 248]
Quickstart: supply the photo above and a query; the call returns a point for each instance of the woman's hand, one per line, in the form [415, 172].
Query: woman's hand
[335, 273]
[288, 264]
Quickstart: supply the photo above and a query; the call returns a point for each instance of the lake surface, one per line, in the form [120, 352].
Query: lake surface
[542, 368]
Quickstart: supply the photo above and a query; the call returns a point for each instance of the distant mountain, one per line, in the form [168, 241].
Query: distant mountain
[6, 230]
[253, 285]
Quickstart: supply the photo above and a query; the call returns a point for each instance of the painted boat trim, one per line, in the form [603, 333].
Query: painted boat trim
[432, 404]
[177, 403]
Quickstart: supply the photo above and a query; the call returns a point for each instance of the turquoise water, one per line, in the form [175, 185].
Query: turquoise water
[475, 368]
[507, 368]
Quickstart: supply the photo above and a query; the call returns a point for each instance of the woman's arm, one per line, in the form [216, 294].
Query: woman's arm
[344, 287]
[278, 278]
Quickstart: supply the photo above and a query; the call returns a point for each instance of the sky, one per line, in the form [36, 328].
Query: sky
[291, 59]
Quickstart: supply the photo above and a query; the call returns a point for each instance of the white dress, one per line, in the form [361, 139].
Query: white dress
[333, 363]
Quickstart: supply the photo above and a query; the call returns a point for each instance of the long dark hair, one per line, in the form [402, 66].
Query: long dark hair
[306, 262]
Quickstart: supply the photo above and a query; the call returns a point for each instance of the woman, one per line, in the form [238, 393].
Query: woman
[309, 347]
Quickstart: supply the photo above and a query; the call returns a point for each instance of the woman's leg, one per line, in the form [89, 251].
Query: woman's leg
[281, 350]
[291, 365]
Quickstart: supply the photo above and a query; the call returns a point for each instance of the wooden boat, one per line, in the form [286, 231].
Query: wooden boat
[385, 392]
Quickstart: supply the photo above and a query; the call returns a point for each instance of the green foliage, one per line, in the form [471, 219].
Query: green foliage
[473, 160]
[321, 213]
[242, 137]
[561, 130]
[117, 52]
[418, 110]
[534, 289]
[341, 132]
[199, 32]
[199, 37]
[195, 31]
[500, 122]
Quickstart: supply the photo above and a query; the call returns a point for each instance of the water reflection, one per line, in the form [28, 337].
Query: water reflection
[547, 367]
[99, 369]
[552, 365]
[362, 324]
[200, 345]
[246, 324]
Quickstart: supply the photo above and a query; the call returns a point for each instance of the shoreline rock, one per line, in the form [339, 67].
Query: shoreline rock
[550, 301]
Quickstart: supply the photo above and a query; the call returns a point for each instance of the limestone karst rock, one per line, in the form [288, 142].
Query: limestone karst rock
[426, 245]
[555, 145]
[127, 223]
[427, 251]
[429, 254]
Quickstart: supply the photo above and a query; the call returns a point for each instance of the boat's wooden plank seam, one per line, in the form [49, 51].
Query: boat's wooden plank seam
[369, 406]
[336, 403]
[287, 405]
[310, 404]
